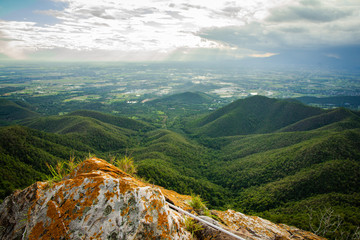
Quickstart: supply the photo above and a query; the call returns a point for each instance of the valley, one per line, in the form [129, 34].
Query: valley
[223, 136]
[278, 159]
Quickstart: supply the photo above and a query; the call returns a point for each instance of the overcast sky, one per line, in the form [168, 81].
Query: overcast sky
[143, 30]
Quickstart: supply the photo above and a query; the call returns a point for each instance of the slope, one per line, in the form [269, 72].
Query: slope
[178, 163]
[10, 111]
[115, 205]
[245, 167]
[101, 136]
[24, 153]
[121, 122]
[295, 156]
[338, 118]
[251, 115]
[174, 107]
[273, 174]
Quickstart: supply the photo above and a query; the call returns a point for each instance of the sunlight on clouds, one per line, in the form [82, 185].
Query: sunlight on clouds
[262, 55]
[144, 27]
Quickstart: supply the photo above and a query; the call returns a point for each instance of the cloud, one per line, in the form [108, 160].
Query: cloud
[262, 55]
[299, 24]
[309, 13]
[157, 29]
[8, 47]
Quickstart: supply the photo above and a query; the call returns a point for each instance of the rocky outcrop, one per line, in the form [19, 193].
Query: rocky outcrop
[252, 227]
[99, 201]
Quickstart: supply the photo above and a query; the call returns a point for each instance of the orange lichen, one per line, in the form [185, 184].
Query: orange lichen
[83, 184]
[61, 216]
[176, 198]
[37, 230]
[262, 227]
[94, 186]
[125, 211]
[149, 218]
[163, 221]
[109, 195]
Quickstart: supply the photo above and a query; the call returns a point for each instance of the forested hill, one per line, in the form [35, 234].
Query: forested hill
[260, 114]
[11, 111]
[275, 158]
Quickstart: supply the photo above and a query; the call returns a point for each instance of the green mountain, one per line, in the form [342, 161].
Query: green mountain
[276, 158]
[178, 163]
[102, 132]
[122, 122]
[24, 152]
[252, 115]
[10, 111]
[249, 164]
[339, 118]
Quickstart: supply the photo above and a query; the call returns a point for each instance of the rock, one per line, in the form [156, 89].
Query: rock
[208, 232]
[99, 201]
[96, 201]
[252, 227]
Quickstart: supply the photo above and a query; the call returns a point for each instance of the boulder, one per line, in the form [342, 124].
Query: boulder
[99, 201]
[96, 201]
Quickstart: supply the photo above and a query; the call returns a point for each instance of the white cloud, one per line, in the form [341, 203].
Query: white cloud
[299, 24]
[262, 55]
[157, 29]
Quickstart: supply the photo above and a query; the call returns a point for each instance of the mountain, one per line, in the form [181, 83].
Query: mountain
[305, 158]
[100, 131]
[252, 115]
[293, 164]
[122, 122]
[290, 171]
[182, 104]
[338, 118]
[10, 111]
[99, 201]
[24, 153]
[178, 163]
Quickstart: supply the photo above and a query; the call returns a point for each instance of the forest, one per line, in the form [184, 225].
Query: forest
[276, 158]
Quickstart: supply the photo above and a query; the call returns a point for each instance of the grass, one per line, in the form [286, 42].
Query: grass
[198, 205]
[126, 164]
[192, 226]
[61, 169]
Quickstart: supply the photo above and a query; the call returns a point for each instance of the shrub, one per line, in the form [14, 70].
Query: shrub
[126, 164]
[61, 169]
[192, 226]
[198, 204]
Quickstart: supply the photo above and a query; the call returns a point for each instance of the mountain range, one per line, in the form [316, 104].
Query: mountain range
[279, 159]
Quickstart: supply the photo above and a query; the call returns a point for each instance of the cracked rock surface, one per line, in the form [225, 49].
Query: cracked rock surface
[99, 201]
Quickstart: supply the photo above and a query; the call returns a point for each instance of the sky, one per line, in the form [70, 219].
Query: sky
[179, 30]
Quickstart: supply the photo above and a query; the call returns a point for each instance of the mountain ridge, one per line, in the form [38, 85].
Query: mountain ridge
[255, 172]
[10, 111]
[257, 114]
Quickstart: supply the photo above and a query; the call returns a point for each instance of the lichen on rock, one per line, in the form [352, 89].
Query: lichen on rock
[96, 201]
[99, 201]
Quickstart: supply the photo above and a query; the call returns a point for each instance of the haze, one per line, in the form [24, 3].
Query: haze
[156, 30]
